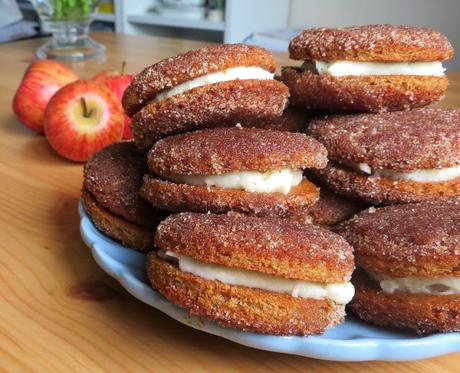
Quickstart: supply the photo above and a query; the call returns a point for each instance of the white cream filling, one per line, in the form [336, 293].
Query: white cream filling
[419, 285]
[429, 175]
[233, 73]
[251, 181]
[357, 68]
[339, 293]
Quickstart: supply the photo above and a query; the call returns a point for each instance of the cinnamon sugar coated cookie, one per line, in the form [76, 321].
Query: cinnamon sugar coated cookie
[387, 43]
[241, 271]
[210, 87]
[234, 149]
[179, 197]
[383, 190]
[217, 105]
[371, 68]
[111, 182]
[403, 141]
[424, 234]
[409, 256]
[396, 157]
[422, 313]
[128, 233]
[373, 93]
[189, 65]
[248, 170]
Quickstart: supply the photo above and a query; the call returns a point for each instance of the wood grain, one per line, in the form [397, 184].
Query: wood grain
[59, 311]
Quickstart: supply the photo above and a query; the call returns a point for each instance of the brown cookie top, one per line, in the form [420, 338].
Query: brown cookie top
[113, 177]
[189, 65]
[222, 150]
[402, 140]
[275, 246]
[420, 239]
[387, 43]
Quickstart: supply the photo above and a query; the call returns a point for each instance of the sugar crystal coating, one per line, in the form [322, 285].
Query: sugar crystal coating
[113, 177]
[271, 245]
[423, 313]
[186, 66]
[221, 104]
[221, 150]
[177, 197]
[405, 141]
[382, 190]
[387, 43]
[131, 235]
[330, 209]
[241, 307]
[420, 239]
[367, 93]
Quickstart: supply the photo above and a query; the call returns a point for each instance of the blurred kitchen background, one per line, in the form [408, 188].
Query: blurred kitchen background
[269, 23]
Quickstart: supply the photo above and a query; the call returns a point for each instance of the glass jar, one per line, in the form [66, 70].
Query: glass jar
[68, 21]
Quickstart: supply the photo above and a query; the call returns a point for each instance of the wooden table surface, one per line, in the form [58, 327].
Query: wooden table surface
[58, 310]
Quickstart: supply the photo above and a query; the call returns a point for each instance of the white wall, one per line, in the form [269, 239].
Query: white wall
[442, 15]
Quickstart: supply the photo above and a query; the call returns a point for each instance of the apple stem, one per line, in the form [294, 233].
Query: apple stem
[123, 65]
[86, 112]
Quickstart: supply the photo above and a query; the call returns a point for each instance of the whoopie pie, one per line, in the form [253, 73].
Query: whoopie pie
[247, 170]
[215, 86]
[260, 274]
[391, 158]
[111, 182]
[369, 68]
[409, 258]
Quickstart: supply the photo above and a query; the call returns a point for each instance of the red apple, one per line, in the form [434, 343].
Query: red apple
[82, 118]
[104, 74]
[41, 81]
[117, 83]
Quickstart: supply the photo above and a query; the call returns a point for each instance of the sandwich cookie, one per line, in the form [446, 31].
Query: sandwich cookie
[111, 182]
[265, 275]
[367, 68]
[210, 87]
[247, 170]
[409, 258]
[392, 158]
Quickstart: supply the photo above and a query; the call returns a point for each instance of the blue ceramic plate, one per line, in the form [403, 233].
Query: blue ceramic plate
[351, 341]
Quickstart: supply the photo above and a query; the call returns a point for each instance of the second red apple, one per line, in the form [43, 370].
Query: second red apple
[117, 83]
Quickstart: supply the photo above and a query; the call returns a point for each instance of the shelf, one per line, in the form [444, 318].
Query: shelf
[105, 17]
[156, 20]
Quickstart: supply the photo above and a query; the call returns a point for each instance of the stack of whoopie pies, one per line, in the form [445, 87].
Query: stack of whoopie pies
[215, 148]
[367, 68]
[258, 193]
[407, 254]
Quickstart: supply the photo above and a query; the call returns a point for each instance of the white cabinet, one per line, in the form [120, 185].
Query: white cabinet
[241, 18]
